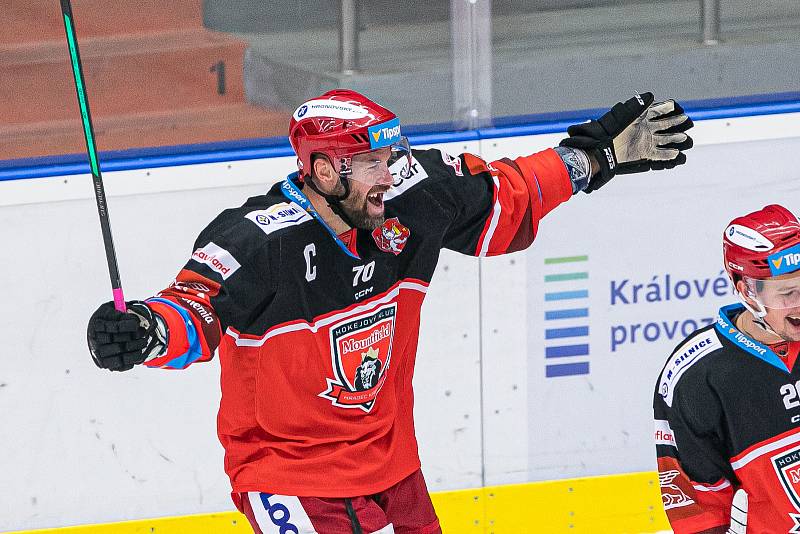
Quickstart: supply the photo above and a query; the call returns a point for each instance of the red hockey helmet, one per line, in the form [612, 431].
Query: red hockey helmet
[761, 246]
[340, 124]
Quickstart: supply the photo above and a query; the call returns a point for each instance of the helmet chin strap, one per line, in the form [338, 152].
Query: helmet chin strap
[335, 201]
[758, 314]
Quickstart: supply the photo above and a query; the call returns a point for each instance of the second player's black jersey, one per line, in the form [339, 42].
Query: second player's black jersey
[727, 416]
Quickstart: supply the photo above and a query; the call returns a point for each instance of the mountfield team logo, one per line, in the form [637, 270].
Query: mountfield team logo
[566, 316]
[787, 468]
[361, 350]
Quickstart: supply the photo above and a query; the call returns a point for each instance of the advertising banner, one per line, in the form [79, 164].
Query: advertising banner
[612, 284]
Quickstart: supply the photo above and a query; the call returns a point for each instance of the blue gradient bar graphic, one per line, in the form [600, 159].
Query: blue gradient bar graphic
[575, 331]
[567, 369]
[563, 295]
[561, 351]
[566, 314]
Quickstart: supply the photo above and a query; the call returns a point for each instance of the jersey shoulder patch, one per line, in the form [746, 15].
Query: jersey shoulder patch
[696, 347]
[415, 175]
[278, 216]
[217, 259]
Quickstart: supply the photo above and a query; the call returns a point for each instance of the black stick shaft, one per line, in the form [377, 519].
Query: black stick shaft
[88, 133]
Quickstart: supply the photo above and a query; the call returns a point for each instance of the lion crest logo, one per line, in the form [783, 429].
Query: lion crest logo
[391, 236]
[361, 351]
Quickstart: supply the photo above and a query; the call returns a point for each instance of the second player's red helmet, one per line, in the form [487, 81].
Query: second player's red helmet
[340, 124]
[762, 244]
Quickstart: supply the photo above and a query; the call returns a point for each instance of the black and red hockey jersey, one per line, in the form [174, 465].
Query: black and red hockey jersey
[727, 416]
[317, 348]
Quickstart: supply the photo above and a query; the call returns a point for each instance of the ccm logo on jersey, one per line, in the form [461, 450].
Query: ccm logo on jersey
[687, 355]
[218, 259]
[278, 216]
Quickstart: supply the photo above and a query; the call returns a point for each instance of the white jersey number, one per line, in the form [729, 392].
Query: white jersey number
[364, 272]
[791, 398]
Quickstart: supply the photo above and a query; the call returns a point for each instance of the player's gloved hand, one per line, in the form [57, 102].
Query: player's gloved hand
[634, 136]
[118, 341]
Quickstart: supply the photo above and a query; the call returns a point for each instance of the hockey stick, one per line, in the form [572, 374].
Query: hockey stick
[88, 133]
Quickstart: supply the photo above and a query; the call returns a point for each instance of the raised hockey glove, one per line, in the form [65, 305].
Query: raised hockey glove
[118, 341]
[634, 136]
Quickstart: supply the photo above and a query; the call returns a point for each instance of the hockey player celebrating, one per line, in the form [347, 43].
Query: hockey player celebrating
[311, 294]
[727, 405]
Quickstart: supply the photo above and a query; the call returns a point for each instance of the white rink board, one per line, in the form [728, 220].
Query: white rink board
[82, 445]
[660, 228]
[85, 446]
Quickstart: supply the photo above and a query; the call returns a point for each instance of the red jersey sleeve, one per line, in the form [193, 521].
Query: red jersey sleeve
[226, 280]
[496, 206]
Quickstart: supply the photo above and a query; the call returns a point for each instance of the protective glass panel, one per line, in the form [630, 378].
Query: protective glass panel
[556, 56]
[378, 165]
[776, 293]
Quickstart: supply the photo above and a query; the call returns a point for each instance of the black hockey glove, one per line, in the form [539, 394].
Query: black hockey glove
[634, 136]
[118, 341]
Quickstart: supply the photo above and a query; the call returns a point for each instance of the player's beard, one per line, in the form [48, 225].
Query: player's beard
[356, 208]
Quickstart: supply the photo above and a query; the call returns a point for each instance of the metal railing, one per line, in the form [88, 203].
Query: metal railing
[472, 51]
[709, 21]
[348, 37]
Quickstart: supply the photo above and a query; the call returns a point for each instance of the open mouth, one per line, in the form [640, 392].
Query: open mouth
[794, 320]
[376, 198]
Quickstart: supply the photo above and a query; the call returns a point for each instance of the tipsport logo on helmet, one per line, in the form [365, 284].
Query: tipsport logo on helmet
[785, 261]
[384, 134]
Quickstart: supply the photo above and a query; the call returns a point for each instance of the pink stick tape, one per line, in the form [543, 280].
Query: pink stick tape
[119, 300]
